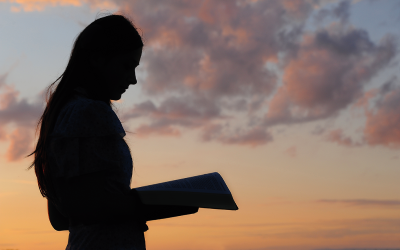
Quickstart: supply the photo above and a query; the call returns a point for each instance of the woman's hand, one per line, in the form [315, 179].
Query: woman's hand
[140, 211]
[96, 198]
[158, 212]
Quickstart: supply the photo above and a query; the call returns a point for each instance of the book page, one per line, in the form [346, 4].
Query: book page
[207, 183]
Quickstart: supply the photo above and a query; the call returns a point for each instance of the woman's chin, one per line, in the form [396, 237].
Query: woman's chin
[115, 97]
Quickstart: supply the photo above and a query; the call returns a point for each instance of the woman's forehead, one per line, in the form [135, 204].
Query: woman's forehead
[137, 53]
[132, 55]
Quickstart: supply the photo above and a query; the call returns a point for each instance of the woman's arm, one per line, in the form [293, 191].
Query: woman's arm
[158, 212]
[57, 220]
[92, 199]
[95, 198]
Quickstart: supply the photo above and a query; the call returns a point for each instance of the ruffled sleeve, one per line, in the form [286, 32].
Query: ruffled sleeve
[85, 139]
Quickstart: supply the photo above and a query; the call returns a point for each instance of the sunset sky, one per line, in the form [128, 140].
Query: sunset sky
[295, 103]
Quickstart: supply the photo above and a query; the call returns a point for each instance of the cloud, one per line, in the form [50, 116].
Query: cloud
[364, 203]
[340, 12]
[215, 59]
[383, 118]
[328, 73]
[217, 49]
[146, 130]
[173, 112]
[253, 137]
[192, 113]
[338, 137]
[215, 67]
[213, 55]
[21, 115]
[20, 144]
[177, 111]
[41, 5]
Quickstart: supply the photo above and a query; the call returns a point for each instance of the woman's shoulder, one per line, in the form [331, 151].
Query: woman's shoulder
[83, 117]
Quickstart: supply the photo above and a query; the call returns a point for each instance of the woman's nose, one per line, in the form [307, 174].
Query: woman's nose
[132, 79]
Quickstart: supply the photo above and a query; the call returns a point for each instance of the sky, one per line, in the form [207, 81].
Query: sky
[295, 103]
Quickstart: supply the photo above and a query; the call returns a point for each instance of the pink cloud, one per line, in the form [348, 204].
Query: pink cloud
[216, 48]
[253, 137]
[13, 110]
[382, 111]
[338, 137]
[21, 115]
[20, 144]
[41, 5]
[327, 74]
[146, 130]
[383, 119]
[212, 55]
[205, 63]
[191, 112]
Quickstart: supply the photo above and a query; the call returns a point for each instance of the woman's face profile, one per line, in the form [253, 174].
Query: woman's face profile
[119, 72]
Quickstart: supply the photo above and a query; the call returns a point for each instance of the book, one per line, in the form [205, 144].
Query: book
[205, 191]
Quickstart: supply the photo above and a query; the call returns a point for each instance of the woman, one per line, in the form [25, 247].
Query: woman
[82, 163]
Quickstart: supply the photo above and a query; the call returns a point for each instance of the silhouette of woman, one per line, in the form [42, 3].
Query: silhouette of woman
[82, 163]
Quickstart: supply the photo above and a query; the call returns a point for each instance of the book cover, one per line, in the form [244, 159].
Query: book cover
[206, 191]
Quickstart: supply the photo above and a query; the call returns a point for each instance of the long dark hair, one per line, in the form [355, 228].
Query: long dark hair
[109, 35]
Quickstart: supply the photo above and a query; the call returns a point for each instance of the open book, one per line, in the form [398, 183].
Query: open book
[206, 191]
